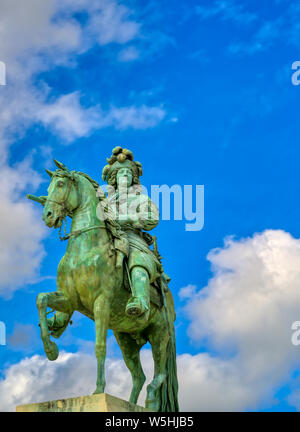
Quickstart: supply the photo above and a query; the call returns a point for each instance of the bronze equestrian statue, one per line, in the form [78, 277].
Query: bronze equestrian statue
[110, 274]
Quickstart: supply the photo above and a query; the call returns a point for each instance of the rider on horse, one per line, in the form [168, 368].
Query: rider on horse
[89, 282]
[134, 212]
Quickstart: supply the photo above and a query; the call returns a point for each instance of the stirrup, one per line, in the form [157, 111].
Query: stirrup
[136, 307]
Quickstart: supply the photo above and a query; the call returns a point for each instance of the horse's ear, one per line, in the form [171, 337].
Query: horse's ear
[49, 172]
[60, 165]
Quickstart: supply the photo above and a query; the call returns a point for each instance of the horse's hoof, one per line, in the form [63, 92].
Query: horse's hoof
[53, 352]
[98, 392]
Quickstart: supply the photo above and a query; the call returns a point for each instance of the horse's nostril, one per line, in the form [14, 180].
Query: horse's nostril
[49, 213]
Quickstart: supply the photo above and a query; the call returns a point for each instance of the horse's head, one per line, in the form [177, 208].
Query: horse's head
[63, 196]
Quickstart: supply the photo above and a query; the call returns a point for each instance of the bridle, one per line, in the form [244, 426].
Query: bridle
[67, 212]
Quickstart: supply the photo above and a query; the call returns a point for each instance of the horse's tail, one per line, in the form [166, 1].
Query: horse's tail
[168, 391]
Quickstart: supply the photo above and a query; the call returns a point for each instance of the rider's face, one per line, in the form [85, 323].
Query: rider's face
[124, 175]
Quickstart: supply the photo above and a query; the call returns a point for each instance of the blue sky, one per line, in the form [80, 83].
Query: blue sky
[202, 95]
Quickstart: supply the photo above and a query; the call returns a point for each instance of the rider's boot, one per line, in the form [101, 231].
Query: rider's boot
[139, 303]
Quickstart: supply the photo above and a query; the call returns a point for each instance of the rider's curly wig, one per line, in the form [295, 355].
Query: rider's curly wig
[119, 157]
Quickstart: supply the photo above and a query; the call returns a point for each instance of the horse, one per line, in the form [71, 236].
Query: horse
[89, 282]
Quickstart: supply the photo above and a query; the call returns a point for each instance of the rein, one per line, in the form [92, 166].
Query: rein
[78, 232]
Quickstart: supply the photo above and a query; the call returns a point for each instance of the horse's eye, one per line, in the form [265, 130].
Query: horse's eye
[60, 184]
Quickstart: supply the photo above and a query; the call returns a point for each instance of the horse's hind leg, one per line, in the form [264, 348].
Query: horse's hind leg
[131, 355]
[158, 337]
[57, 301]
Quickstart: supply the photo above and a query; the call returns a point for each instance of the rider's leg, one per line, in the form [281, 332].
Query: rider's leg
[140, 303]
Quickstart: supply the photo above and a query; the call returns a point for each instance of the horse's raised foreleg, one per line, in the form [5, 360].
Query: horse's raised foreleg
[131, 354]
[101, 317]
[57, 324]
[57, 301]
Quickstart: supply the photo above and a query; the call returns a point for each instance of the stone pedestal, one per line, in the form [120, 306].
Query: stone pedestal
[95, 403]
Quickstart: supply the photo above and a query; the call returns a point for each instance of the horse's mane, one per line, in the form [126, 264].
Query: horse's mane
[110, 222]
[92, 181]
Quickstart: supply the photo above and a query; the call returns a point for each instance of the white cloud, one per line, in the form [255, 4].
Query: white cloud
[36, 379]
[129, 54]
[246, 312]
[68, 118]
[38, 33]
[207, 383]
[21, 228]
[52, 29]
[227, 10]
[111, 22]
[187, 292]
[48, 35]
[51, 36]
[141, 117]
[203, 381]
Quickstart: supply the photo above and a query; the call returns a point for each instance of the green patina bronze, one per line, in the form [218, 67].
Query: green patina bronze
[110, 274]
